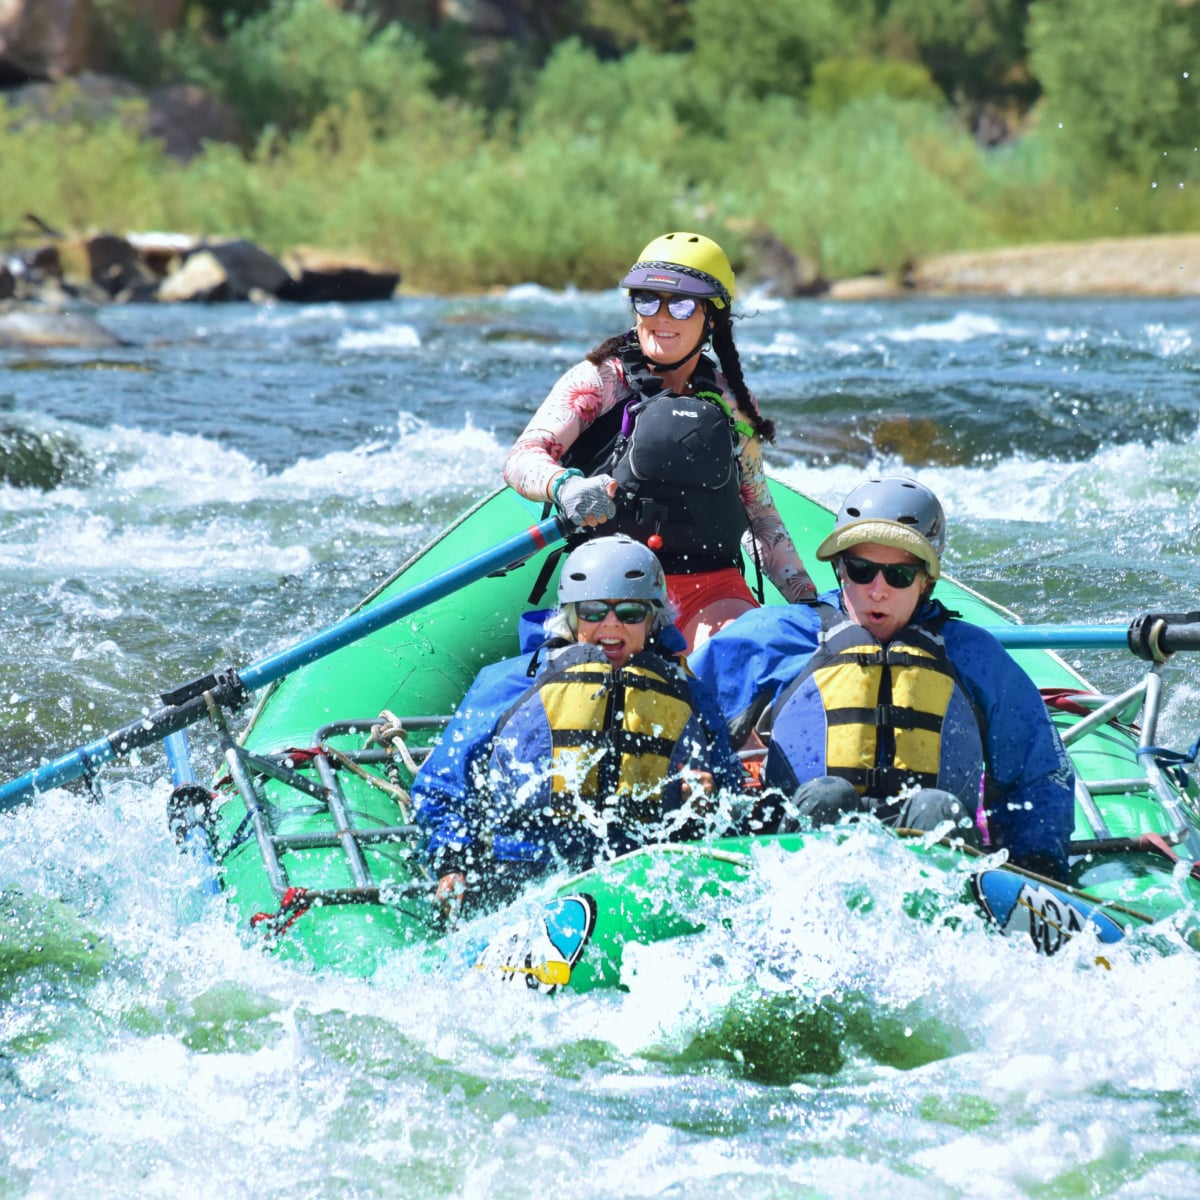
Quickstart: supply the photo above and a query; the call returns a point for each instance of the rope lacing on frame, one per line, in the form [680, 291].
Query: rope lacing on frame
[292, 906]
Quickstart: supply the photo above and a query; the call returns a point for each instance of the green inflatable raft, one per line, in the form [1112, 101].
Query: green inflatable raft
[310, 832]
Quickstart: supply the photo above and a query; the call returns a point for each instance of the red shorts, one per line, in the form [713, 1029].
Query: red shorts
[691, 594]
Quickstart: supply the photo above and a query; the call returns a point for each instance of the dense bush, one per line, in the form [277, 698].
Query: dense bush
[286, 67]
[1122, 83]
[974, 49]
[772, 46]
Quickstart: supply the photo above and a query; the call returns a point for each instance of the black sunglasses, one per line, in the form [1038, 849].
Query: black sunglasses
[895, 575]
[646, 304]
[629, 612]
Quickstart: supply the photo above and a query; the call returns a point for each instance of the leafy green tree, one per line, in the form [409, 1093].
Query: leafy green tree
[1120, 80]
[974, 49]
[772, 46]
[662, 25]
[839, 81]
[285, 67]
[576, 91]
[644, 104]
[218, 15]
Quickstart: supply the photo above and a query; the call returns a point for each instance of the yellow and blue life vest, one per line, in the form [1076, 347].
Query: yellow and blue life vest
[610, 735]
[881, 717]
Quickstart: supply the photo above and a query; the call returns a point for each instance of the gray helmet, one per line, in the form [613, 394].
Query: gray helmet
[892, 511]
[612, 568]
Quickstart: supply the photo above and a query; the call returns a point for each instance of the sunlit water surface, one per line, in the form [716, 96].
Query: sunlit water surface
[236, 478]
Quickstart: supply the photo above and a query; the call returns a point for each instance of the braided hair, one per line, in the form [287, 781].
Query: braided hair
[721, 327]
[731, 368]
[609, 348]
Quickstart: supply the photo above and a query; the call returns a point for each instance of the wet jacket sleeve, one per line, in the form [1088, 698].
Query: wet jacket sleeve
[444, 792]
[1030, 783]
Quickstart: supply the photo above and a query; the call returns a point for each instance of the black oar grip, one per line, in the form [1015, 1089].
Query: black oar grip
[182, 707]
[1156, 636]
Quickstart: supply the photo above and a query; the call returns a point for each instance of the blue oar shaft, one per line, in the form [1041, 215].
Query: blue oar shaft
[158, 725]
[1152, 636]
[192, 830]
[179, 758]
[84, 761]
[268, 670]
[1061, 637]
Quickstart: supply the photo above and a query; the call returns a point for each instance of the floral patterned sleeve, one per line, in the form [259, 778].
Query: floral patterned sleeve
[777, 552]
[584, 393]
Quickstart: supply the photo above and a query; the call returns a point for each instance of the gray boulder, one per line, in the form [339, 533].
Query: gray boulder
[28, 326]
[116, 266]
[319, 277]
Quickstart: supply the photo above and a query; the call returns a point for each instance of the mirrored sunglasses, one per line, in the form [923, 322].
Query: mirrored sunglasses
[895, 575]
[646, 304]
[629, 612]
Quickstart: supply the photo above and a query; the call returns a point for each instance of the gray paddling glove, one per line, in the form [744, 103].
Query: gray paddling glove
[580, 497]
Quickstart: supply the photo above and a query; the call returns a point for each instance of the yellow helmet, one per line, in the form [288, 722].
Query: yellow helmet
[686, 263]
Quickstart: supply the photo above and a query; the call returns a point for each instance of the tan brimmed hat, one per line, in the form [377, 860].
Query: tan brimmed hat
[890, 511]
[881, 533]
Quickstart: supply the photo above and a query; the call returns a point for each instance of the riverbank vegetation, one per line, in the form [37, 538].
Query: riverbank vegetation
[860, 134]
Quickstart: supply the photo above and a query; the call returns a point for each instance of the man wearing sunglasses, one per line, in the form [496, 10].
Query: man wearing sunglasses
[599, 743]
[879, 700]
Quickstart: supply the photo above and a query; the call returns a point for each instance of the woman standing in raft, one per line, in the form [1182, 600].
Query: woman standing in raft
[647, 437]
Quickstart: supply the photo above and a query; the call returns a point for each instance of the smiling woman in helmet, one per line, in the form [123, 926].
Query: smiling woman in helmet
[881, 700]
[588, 749]
[647, 436]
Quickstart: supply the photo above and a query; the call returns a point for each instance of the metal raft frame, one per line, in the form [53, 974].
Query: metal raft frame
[1144, 698]
[245, 767]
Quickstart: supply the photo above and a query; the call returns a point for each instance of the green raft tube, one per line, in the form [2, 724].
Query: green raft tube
[310, 829]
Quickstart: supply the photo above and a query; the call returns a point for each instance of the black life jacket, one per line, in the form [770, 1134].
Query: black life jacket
[678, 467]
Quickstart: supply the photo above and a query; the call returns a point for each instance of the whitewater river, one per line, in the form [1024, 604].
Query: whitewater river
[235, 478]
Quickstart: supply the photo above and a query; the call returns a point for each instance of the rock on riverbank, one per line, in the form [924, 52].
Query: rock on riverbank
[155, 267]
[1162, 265]
[105, 268]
